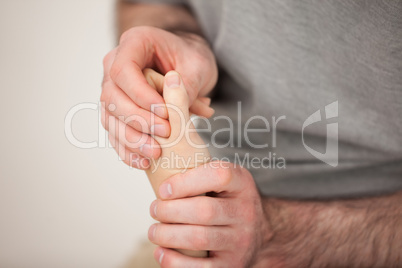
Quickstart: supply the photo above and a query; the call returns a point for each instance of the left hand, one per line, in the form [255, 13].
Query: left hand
[229, 222]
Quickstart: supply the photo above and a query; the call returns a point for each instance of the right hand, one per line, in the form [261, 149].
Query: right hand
[127, 97]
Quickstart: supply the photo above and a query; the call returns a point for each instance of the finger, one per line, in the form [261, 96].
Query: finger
[200, 105]
[217, 176]
[183, 134]
[201, 108]
[108, 62]
[126, 73]
[205, 100]
[177, 101]
[133, 140]
[154, 79]
[122, 107]
[133, 160]
[202, 210]
[192, 237]
[169, 258]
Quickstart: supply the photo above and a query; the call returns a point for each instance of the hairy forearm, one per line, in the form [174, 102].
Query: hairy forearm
[175, 18]
[344, 233]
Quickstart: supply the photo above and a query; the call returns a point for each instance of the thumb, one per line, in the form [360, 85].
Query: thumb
[177, 100]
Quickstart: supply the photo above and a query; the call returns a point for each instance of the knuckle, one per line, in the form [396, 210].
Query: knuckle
[124, 36]
[193, 85]
[134, 123]
[200, 241]
[206, 212]
[224, 176]
[164, 210]
[245, 239]
[150, 140]
[156, 149]
[135, 31]
[159, 234]
[249, 212]
[138, 123]
[108, 97]
[137, 161]
[251, 216]
[219, 240]
[116, 71]
[132, 144]
[144, 29]
[179, 99]
[106, 59]
[165, 237]
[228, 209]
[246, 174]
[105, 96]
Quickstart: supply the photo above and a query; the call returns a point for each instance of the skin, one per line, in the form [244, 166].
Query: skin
[229, 222]
[177, 146]
[239, 227]
[126, 95]
[244, 230]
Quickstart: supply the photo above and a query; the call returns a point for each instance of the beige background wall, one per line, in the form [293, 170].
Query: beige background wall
[61, 206]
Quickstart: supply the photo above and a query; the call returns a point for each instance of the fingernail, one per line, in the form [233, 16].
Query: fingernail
[153, 209]
[165, 190]
[151, 232]
[161, 256]
[146, 150]
[173, 80]
[159, 130]
[161, 112]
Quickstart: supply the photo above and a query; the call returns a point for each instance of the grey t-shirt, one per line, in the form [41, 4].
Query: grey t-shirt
[328, 74]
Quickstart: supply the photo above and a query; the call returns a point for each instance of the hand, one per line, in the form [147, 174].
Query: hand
[128, 97]
[229, 221]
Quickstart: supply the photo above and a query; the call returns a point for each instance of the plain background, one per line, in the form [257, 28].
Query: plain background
[61, 206]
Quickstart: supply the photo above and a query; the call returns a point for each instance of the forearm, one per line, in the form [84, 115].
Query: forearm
[348, 233]
[175, 18]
